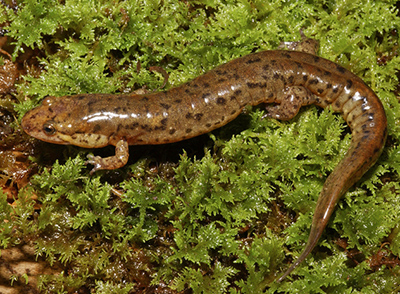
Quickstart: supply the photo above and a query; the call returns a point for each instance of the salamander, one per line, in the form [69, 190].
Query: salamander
[286, 80]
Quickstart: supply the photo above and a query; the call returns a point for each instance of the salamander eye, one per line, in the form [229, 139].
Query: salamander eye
[48, 128]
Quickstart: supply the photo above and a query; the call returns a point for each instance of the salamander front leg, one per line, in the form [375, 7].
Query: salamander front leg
[288, 103]
[113, 162]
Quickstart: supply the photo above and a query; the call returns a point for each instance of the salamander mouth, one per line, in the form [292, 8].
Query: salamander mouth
[39, 134]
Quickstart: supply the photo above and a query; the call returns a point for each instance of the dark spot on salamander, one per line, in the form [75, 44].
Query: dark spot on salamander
[98, 137]
[365, 137]
[316, 58]
[205, 95]
[276, 76]
[132, 126]
[198, 116]
[144, 98]
[335, 90]
[320, 91]
[156, 128]
[188, 131]
[299, 65]
[172, 131]
[189, 115]
[233, 97]
[33, 116]
[91, 102]
[146, 127]
[208, 125]
[265, 67]
[253, 60]
[83, 140]
[164, 121]
[329, 85]
[340, 69]
[178, 101]
[270, 95]
[376, 150]
[273, 61]
[220, 72]
[233, 112]
[290, 79]
[187, 91]
[327, 73]
[206, 85]
[370, 114]
[221, 101]
[166, 106]
[305, 78]
[337, 104]
[256, 85]
[286, 54]
[314, 82]
[349, 84]
[237, 92]
[79, 97]
[221, 80]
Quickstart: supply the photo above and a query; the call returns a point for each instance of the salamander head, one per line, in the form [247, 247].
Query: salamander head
[59, 121]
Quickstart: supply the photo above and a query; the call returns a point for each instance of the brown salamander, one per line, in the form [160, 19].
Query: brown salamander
[288, 79]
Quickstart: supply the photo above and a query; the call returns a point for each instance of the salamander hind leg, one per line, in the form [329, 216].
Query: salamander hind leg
[112, 162]
[288, 103]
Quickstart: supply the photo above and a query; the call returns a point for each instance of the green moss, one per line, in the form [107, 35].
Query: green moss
[6, 225]
[225, 221]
